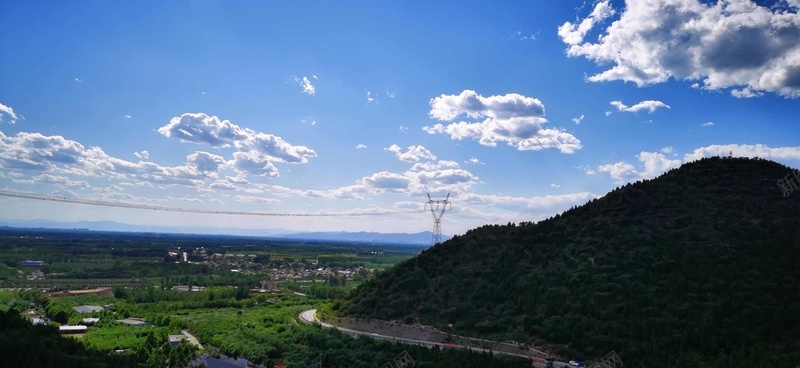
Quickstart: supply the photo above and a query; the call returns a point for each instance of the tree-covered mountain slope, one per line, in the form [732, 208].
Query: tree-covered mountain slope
[699, 267]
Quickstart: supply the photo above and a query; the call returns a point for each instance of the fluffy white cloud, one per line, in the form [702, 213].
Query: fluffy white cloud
[308, 88]
[201, 128]
[412, 154]
[361, 146]
[205, 162]
[746, 92]
[655, 163]
[511, 118]
[387, 180]
[725, 43]
[11, 117]
[143, 155]
[54, 179]
[650, 105]
[34, 151]
[256, 151]
[707, 124]
[252, 163]
[745, 150]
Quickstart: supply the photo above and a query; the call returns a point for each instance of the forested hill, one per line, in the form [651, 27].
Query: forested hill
[699, 267]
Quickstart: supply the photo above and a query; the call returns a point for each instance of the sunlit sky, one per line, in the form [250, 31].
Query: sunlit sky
[518, 109]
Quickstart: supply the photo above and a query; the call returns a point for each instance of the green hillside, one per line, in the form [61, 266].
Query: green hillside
[697, 268]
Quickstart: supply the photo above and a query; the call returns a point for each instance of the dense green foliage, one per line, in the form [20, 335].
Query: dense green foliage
[698, 268]
[270, 335]
[25, 345]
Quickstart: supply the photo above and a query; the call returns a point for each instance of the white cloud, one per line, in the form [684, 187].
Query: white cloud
[707, 124]
[143, 155]
[543, 203]
[746, 92]
[389, 94]
[387, 180]
[308, 88]
[370, 97]
[77, 80]
[127, 116]
[745, 150]
[54, 179]
[511, 118]
[403, 128]
[654, 163]
[34, 151]
[608, 113]
[314, 76]
[412, 154]
[669, 150]
[573, 34]
[650, 105]
[257, 150]
[361, 146]
[8, 112]
[555, 186]
[473, 161]
[725, 43]
[253, 199]
[253, 163]
[578, 120]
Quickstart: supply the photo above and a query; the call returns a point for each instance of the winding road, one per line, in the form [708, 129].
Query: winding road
[310, 316]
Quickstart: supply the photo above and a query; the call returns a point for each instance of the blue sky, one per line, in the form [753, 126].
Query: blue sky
[519, 109]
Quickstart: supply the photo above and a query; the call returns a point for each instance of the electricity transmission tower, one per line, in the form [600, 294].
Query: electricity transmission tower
[437, 210]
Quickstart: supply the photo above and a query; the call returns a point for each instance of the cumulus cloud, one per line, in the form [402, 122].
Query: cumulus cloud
[746, 92]
[143, 155]
[511, 118]
[256, 150]
[308, 88]
[725, 43]
[707, 124]
[54, 179]
[201, 128]
[361, 146]
[35, 151]
[127, 116]
[252, 163]
[745, 150]
[650, 105]
[412, 153]
[7, 114]
[654, 163]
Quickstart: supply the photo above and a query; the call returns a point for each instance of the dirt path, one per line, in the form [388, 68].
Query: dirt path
[192, 340]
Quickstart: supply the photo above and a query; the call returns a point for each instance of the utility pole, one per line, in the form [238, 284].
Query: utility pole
[437, 210]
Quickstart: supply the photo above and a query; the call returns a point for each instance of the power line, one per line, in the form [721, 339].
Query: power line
[192, 210]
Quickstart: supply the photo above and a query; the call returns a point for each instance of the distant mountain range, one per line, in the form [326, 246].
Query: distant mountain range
[422, 238]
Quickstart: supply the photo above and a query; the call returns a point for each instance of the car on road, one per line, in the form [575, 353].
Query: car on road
[576, 363]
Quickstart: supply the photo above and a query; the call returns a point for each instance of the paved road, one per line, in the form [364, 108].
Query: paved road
[310, 316]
